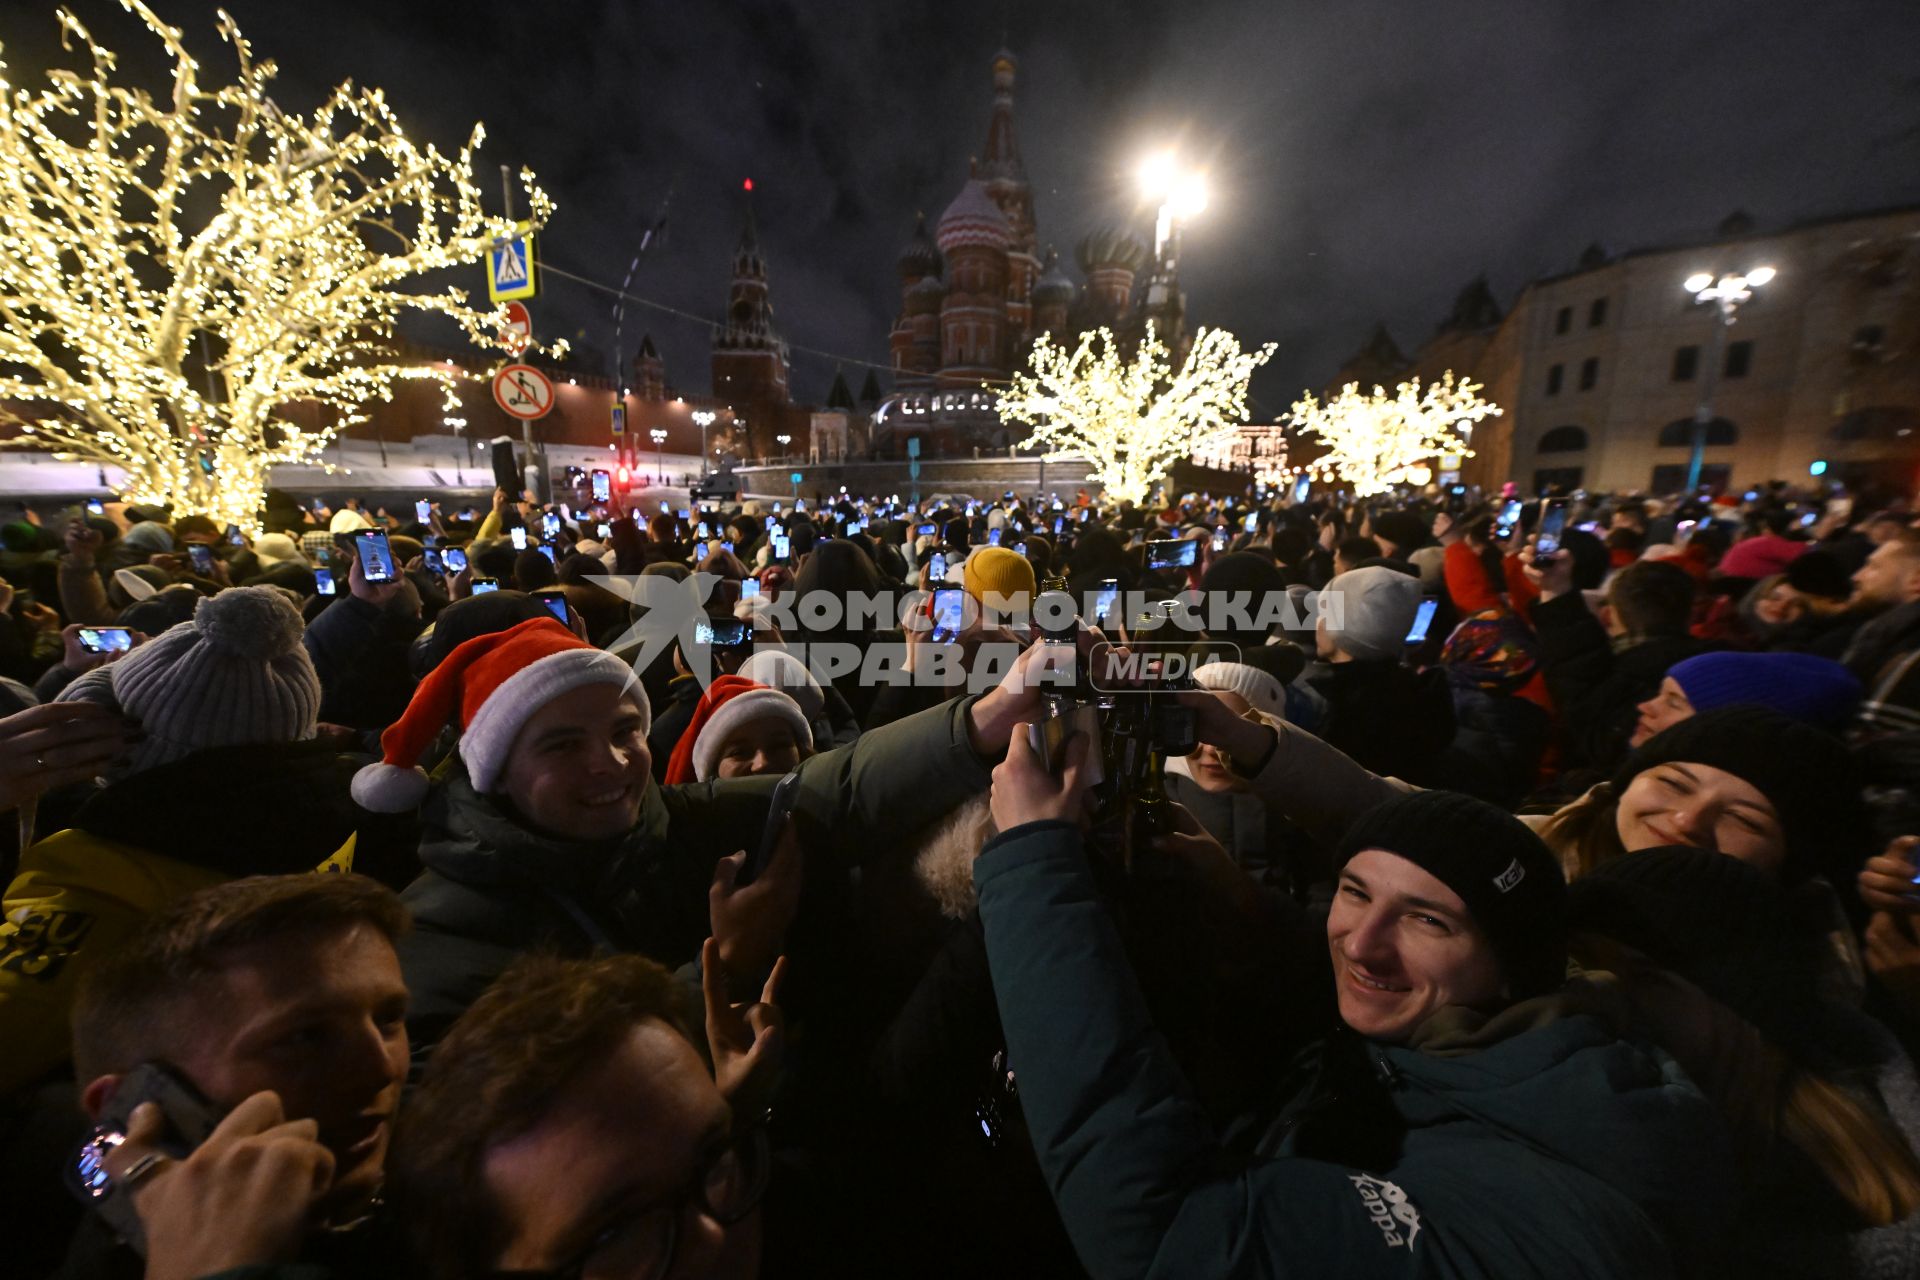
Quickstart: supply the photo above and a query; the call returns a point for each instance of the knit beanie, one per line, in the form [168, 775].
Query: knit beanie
[728, 703]
[492, 683]
[1403, 529]
[1511, 885]
[272, 548]
[1378, 606]
[1804, 772]
[235, 674]
[149, 539]
[1720, 923]
[778, 669]
[999, 571]
[1820, 573]
[1817, 690]
[1261, 690]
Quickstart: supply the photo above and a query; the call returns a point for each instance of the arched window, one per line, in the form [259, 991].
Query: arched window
[1563, 440]
[1679, 433]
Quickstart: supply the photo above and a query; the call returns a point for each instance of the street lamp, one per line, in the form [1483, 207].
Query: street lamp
[1181, 197]
[659, 466]
[703, 418]
[1725, 294]
[459, 425]
[784, 441]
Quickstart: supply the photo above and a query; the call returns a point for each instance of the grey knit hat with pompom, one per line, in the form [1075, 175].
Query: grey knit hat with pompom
[236, 675]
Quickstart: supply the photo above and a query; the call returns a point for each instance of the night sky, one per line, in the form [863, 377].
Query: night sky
[1368, 157]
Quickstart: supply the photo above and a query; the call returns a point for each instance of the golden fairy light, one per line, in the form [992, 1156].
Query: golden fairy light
[1373, 442]
[1131, 418]
[179, 270]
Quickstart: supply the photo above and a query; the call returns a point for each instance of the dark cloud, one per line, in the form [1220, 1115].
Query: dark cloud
[1370, 156]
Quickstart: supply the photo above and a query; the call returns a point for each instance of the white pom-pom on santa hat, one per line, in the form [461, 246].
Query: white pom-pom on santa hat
[390, 788]
[492, 683]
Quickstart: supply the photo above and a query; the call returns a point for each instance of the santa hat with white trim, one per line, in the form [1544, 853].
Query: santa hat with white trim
[728, 703]
[492, 683]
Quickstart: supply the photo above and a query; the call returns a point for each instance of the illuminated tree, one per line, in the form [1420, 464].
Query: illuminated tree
[1131, 418]
[1373, 442]
[179, 270]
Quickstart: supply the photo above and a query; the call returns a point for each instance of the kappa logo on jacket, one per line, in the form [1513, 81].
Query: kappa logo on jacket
[1391, 1211]
[36, 944]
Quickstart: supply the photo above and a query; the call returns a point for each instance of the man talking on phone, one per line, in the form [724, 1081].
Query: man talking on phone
[275, 1007]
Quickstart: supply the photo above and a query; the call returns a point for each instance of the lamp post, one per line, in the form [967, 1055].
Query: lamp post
[784, 441]
[1725, 294]
[1181, 196]
[703, 418]
[459, 429]
[659, 465]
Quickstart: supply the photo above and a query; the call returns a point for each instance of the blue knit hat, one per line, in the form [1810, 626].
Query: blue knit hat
[1818, 691]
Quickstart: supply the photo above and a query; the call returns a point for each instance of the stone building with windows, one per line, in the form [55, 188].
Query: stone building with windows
[1600, 370]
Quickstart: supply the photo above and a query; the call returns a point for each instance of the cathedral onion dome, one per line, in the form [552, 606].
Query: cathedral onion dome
[1054, 288]
[925, 295]
[920, 257]
[973, 220]
[1111, 246]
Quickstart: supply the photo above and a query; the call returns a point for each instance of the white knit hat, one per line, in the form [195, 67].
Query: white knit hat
[275, 548]
[1376, 607]
[1262, 692]
[778, 669]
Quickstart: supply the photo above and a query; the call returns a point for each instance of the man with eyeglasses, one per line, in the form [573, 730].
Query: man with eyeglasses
[567, 1127]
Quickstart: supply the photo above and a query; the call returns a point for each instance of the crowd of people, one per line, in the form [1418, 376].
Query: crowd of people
[1517, 887]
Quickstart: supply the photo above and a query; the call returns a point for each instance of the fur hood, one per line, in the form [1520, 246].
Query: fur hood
[944, 863]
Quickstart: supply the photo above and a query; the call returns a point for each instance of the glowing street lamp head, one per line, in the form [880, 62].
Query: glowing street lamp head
[1188, 197]
[1156, 175]
[1759, 276]
[1698, 281]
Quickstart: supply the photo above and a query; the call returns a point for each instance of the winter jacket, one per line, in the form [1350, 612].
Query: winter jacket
[140, 843]
[1885, 654]
[1556, 1149]
[1596, 690]
[1386, 715]
[359, 650]
[494, 889]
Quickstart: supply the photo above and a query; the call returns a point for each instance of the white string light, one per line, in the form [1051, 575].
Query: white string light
[1133, 419]
[180, 272]
[1374, 442]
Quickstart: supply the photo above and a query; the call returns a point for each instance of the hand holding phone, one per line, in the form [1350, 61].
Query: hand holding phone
[779, 813]
[375, 556]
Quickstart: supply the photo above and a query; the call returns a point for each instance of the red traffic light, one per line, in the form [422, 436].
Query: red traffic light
[625, 477]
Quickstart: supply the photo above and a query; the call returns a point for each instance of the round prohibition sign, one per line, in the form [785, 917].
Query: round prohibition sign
[523, 391]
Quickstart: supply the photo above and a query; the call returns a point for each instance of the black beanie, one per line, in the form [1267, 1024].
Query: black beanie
[1511, 884]
[1804, 772]
[1718, 922]
[1403, 529]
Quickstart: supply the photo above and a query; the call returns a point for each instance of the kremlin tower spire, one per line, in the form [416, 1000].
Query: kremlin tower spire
[749, 359]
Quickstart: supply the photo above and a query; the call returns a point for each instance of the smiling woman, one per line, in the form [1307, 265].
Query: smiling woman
[1744, 781]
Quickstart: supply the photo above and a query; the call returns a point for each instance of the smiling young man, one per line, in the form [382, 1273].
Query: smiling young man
[548, 831]
[1467, 1117]
[279, 1000]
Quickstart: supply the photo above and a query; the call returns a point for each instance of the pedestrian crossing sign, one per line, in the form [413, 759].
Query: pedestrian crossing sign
[619, 419]
[511, 272]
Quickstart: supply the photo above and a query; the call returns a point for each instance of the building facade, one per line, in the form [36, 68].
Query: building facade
[1819, 374]
[1600, 371]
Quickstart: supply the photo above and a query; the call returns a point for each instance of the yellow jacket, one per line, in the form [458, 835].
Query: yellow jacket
[77, 897]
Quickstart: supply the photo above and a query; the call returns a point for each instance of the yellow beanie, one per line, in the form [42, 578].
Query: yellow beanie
[1000, 571]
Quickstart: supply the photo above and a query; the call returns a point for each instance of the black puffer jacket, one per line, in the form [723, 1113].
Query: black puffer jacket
[495, 888]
